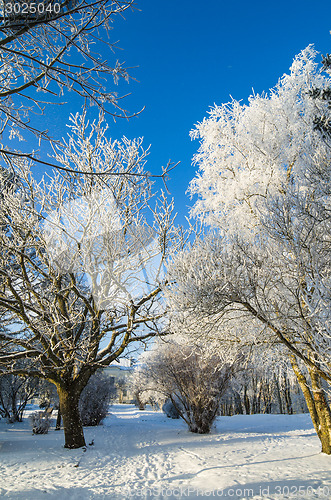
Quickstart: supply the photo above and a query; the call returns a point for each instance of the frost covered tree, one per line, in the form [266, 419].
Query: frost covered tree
[15, 393]
[264, 187]
[193, 377]
[48, 49]
[143, 391]
[81, 265]
[267, 385]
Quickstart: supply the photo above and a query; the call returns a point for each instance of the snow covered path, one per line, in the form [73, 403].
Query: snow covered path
[145, 455]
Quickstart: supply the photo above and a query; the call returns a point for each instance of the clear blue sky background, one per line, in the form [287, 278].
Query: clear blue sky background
[192, 54]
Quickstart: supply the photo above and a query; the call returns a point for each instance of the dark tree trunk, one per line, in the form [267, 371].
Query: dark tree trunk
[140, 404]
[58, 420]
[246, 402]
[278, 394]
[72, 424]
[238, 406]
[15, 415]
[287, 395]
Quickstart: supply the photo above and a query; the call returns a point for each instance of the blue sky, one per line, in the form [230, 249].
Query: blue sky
[190, 54]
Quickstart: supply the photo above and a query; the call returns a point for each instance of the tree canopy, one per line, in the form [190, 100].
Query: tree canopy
[264, 188]
[81, 264]
[46, 54]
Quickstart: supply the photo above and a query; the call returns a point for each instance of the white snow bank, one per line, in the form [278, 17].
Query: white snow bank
[142, 454]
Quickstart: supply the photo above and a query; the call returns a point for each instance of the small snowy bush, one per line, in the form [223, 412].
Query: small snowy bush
[39, 422]
[95, 399]
[170, 410]
[192, 377]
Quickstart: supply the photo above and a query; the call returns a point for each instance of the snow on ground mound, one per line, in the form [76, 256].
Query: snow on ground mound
[142, 454]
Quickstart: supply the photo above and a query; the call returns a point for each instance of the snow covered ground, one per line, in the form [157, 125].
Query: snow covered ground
[145, 455]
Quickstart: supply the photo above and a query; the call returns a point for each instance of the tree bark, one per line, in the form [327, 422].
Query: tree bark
[238, 405]
[140, 404]
[278, 394]
[287, 395]
[317, 406]
[246, 402]
[307, 394]
[72, 424]
[323, 412]
[58, 420]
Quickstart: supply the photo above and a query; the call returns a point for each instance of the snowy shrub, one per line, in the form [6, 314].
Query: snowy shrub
[170, 410]
[95, 399]
[193, 378]
[39, 422]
